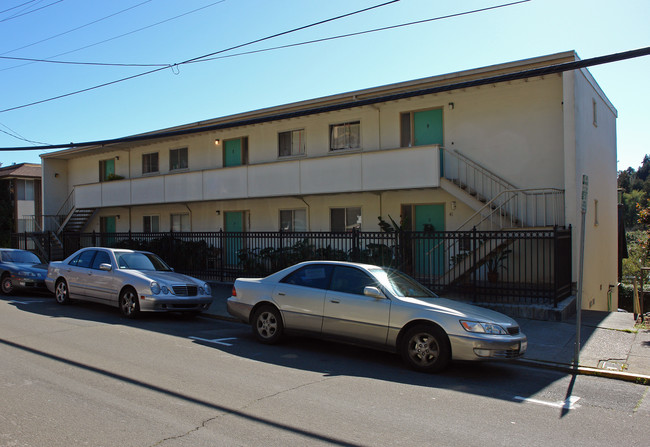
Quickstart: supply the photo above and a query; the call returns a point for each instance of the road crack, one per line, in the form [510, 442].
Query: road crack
[240, 410]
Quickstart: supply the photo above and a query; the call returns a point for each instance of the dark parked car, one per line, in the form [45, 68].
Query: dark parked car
[21, 269]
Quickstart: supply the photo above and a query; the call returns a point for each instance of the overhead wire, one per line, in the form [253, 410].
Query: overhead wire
[358, 33]
[77, 28]
[490, 80]
[29, 12]
[17, 6]
[100, 64]
[324, 39]
[155, 70]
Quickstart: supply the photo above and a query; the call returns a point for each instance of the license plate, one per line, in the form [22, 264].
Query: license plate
[523, 346]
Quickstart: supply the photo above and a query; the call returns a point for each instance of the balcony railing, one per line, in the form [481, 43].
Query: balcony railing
[351, 172]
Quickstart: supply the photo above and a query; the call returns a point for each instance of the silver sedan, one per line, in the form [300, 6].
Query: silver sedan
[132, 280]
[374, 306]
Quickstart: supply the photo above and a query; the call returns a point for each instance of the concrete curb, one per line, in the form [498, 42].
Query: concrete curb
[562, 367]
[642, 379]
[222, 317]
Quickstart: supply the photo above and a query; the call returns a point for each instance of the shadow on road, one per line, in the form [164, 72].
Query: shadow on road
[490, 379]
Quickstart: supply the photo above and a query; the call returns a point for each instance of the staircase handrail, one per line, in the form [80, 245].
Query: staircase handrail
[480, 174]
[496, 206]
[67, 205]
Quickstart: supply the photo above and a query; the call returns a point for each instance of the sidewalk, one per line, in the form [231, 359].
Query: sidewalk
[610, 346]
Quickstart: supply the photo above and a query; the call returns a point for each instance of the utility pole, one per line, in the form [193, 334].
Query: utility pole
[585, 192]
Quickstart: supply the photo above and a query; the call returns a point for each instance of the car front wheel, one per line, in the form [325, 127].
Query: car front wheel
[425, 348]
[7, 285]
[61, 292]
[129, 306]
[267, 324]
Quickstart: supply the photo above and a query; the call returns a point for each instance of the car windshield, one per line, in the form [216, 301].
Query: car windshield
[400, 284]
[21, 257]
[140, 261]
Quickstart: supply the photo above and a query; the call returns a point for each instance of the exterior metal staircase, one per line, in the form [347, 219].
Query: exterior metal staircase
[76, 220]
[498, 205]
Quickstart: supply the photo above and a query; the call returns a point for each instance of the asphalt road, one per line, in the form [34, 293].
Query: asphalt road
[82, 375]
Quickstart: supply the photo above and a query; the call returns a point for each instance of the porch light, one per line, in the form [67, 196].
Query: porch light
[451, 106]
[216, 141]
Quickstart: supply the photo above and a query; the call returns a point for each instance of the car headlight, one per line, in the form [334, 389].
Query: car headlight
[25, 274]
[483, 328]
[206, 289]
[155, 287]
[165, 290]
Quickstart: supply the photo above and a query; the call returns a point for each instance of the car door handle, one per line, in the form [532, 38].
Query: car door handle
[281, 293]
[335, 301]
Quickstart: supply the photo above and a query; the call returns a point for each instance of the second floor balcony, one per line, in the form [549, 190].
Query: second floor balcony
[404, 168]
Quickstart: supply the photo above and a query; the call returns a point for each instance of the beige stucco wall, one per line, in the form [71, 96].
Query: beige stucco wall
[533, 133]
[592, 151]
[513, 129]
[264, 214]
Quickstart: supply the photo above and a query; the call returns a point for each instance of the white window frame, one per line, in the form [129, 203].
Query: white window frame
[352, 218]
[25, 189]
[296, 217]
[152, 218]
[296, 139]
[180, 166]
[152, 171]
[183, 224]
[341, 136]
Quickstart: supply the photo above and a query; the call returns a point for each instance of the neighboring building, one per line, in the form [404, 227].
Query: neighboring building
[20, 199]
[413, 149]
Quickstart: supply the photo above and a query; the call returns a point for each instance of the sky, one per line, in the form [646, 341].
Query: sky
[102, 42]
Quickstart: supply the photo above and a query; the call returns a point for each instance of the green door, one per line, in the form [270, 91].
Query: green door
[106, 169]
[427, 127]
[234, 223]
[232, 153]
[108, 224]
[429, 251]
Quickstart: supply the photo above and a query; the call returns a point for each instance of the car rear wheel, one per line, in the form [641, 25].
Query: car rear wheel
[129, 305]
[61, 293]
[267, 324]
[7, 286]
[425, 348]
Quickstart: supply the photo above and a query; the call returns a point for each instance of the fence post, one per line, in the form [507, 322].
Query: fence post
[223, 255]
[356, 255]
[556, 265]
[475, 273]
[281, 248]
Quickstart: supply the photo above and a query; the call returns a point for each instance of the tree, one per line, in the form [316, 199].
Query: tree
[6, 214]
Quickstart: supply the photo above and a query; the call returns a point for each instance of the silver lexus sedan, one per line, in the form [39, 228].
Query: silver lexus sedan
[375, 306]
[132, 280]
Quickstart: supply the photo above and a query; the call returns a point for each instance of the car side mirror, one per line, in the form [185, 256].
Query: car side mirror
[105, 267]
[373, 292]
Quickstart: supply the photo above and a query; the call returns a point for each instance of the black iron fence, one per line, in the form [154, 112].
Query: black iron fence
[522, 266]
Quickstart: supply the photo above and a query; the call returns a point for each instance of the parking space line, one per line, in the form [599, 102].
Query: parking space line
[567, 404]
[30, 302]
[218, 341]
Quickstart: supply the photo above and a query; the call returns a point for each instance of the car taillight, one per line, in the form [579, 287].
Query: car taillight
[234, 291]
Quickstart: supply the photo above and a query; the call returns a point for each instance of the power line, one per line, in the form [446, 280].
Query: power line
[14, 134]
[197, 58]
[324, 39]
[541, 71]
[101, 64]
[341, 36]
[17, 6]
[29, 12]
[77, 28]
